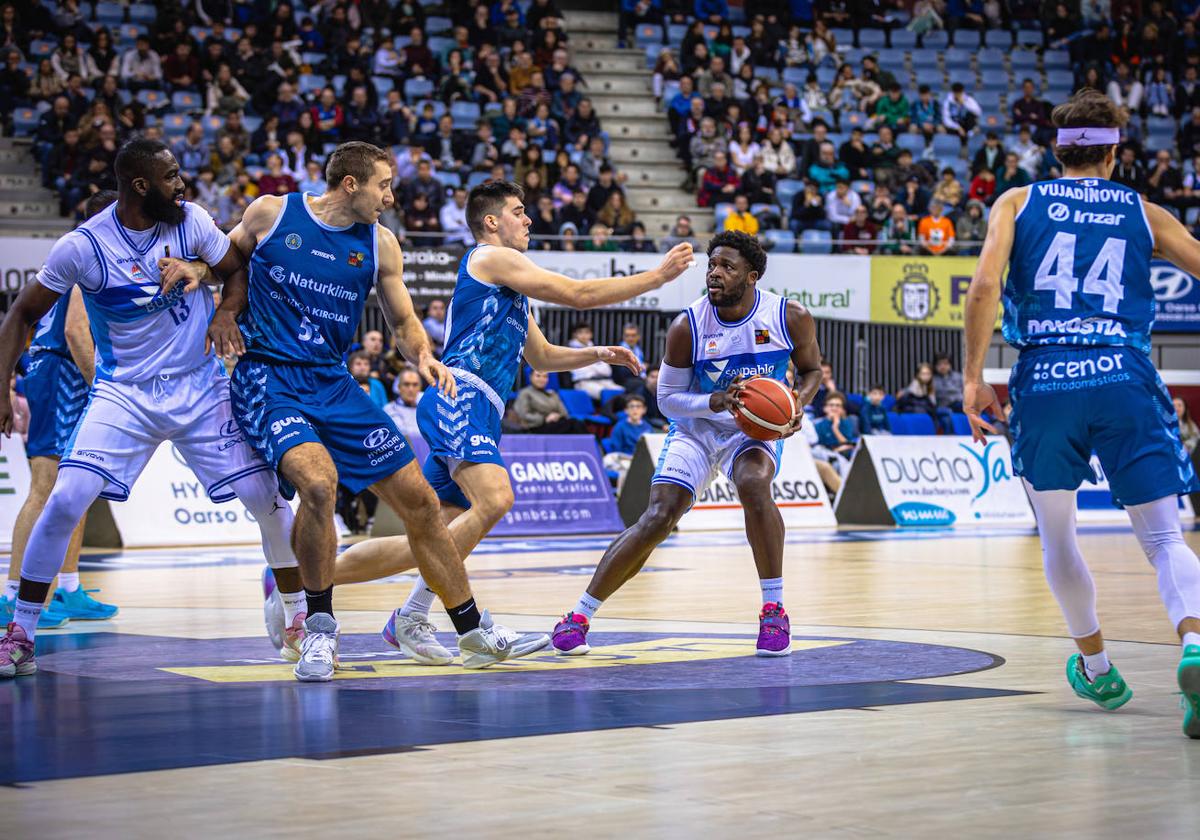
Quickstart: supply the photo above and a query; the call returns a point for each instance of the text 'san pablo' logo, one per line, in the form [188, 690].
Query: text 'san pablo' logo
[293, 241]
[1058, 212]
[915, 298]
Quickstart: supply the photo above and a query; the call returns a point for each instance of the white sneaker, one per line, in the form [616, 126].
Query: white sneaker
[273, 616]
[413, 636]
[318, 651]
[340, 526]
[491, 643]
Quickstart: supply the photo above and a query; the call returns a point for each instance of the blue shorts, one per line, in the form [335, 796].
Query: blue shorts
[1070, 402]
[282, 407]
[57, 395]
[466, 428]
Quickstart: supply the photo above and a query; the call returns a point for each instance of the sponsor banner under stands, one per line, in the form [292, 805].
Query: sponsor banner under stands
[430, 273]
[1176, 298]
[21, 258]
[797, 490]
[921, 291]
[14, 486]
[559, 487]
[942, 480]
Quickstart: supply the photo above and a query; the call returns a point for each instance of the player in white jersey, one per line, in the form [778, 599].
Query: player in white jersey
[735, 332]
[155, 378]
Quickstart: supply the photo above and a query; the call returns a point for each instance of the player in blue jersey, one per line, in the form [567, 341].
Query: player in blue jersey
[488, 330]
[155, 379]
[734, 332]
[313, 261]
[1079, 305]
[60, 370]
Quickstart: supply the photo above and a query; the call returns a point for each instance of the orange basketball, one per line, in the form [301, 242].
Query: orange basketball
[767, 408]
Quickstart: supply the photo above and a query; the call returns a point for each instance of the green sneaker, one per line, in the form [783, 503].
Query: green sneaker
[1108, 691]
[1189, 685]
[51, 618]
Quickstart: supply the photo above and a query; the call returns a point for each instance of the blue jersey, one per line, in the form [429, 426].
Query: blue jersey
[50, 335]
[1079, 273]
[486, 326]
[308, 285]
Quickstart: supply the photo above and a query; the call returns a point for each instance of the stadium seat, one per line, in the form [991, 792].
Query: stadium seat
[975, 143]
[1056, 60]
[854, 56]
[924, 59]
[492, 108]
[579, 406]
[915, 143]
[436, 25]
[647, 34]
[466, 115]
[996, 81]
[552, 383]
[855, 400]
[175, 125]
[186, 101]
[476, 178]
[110, 13]
[383, 85]
[41, 49]
[962, 169]
[843, 36]
[967, 39]
[720, 212]
[863, 186]
[312, 59]
[212, 124]
[936, 40]
[892, 59]
[781, 241]
[439, 107]
[652, 53]
[814, 241]
[440, 46]
[402, 41]
[200, 33]
[339, 84]
[25, 121]
[311, 83]
[786, 190]
[770, 75]
[957, 57]
[417, 89]
[946, 146]
[1029, 38]
[872, 38]
[251, 123]
[854, 119]
[449, 179]
[608, 393]
[153, 100]
[796, 75]
[675, 34]
[143, 13]
[962, 426]
[127, 33]
[1060, 79]
[903, 39]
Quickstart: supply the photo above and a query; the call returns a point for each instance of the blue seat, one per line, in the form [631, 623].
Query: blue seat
[1056, 60]
[184, 100]
[871, 38]
[312, 83]
[110, 13]
[465, 111]
[936, 40]
[894, 421]
[945, 146]
[912, 424]
[962, 169]
[578, 403]
[965, 38]
[770, 75]
[814, 241]
[904, 40]
[720, 212]
[439, 107]
[957, 57]
[786, 191]
[417, 89]
[797, 75]
[449, 179]
[153, 100]
[175, 125]
[782, 241]
[402, 41]
[312, 59]
[962, 426]
[476, 178]
[200, 33]
[608, 393]
[915, 143]
[924, 58]
[127, 33]
[675, 33]
[855, 119]
[551, 378]
[889, 402]
[252, 123]
[843, 36]
[647, 34]
[143, 13]
[41, 49]
[25, 121]
[440, 46]
[212, 124]
[989, 59]
[825, 76]
[652, 53]
[435, 25]
[856, 400]
[892, 58]
[383, 85]
[1029, 37]
[1060, 79]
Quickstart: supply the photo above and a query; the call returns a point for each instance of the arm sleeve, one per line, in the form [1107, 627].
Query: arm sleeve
[70, 262]
[675, 399]
[204, 238]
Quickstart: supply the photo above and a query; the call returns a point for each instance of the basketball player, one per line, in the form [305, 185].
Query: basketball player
[736, 331]
[56, 385]
[154, 378]
[1079, 304]
[313, 261]
[488, 328]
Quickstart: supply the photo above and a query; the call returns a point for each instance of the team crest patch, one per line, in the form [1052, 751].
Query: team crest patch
[711, 348]
[293, 241]
[762, 336]
[356, 258]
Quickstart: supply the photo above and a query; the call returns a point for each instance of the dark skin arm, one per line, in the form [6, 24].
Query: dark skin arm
[34, 301]
[679, 355]
[224, 336]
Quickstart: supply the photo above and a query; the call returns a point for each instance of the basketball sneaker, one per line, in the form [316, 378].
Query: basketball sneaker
[273, 616]
[490, 643]
[1189, 683]
[16, 653]
[318, 651]
[570, 635]
[51, 618]
[81, 606]
[413, 636]
[774, 631]
[1108, 691]
[293, 639]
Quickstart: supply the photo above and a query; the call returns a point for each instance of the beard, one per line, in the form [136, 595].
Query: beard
[162, 208]
[730, 297]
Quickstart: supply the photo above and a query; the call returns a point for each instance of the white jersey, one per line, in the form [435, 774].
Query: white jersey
[139, 332]
[757, 345]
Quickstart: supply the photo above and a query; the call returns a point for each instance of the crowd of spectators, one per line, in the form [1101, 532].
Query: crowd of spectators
[253, 96]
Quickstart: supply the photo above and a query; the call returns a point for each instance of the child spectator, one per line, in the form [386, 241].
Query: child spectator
[873, 416]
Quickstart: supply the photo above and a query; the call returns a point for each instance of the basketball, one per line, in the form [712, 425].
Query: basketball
[767, 408]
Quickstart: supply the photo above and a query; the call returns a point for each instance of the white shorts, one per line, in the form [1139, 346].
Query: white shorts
[125, 422]
[691, 457]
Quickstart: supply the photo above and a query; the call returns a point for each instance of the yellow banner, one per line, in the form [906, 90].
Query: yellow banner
[921, 291]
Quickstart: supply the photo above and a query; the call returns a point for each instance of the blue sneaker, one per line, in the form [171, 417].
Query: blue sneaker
[80, 605]
[52, 616]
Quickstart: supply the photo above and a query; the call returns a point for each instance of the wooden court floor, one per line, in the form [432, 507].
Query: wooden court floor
[925, 697]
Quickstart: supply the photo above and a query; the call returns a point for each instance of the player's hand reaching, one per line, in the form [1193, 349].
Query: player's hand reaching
[224, 335]
[726, 400]
[979, 397]
[678, 260]
[622, 356]
[173, 272]
[438, 374]
[797, 420]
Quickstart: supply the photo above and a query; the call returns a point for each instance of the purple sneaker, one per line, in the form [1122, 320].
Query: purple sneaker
[774, 631]
[570, 635]
[268, 582]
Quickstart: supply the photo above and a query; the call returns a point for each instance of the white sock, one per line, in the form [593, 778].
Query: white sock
[25, 616]
[772, 590]
[69, 582]
[1191, 639]
[10, 589]
[588, 605]
[294, 603]
[1096, 664]
[419, 600]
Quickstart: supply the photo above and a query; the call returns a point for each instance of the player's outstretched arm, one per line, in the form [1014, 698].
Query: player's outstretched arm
[411, 339]
[979, 316]
[547, 357]
[78, 332]
[1172, 241]
[806, 356]
[511, 268]
[31, 304]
